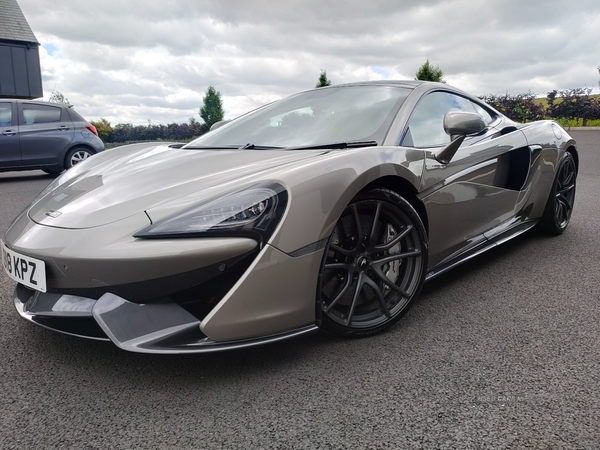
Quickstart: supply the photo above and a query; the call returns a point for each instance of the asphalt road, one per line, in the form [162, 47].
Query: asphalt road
[503, 352]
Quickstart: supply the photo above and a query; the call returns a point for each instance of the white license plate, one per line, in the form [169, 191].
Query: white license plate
[26, 270]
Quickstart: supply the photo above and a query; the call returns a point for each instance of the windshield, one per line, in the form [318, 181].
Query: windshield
[318, 117]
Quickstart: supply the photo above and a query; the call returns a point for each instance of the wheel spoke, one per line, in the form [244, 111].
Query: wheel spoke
[341, 250]
[393, 242]
[562, 198]
[359, 286]
[373, 232]
[339, 296]
[343, 266]
[369, 282]
[391, 258]
[390, 283]
[559, 211]
[358, 227]
[567, 175]
[563, 210]
[566, 189]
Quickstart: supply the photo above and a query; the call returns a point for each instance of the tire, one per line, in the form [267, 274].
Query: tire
[370, 274]
[53, 172]
[76, 155]
[559, 206]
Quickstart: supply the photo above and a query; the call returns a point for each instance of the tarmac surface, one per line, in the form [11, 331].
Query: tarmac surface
[502, 352]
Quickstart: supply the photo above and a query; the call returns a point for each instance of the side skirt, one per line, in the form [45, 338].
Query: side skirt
[503, 233]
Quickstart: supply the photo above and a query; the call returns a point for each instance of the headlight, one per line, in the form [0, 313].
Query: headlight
[252, 212]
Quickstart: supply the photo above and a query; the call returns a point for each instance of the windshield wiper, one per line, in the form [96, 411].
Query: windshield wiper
[257, 147]
[336, 145]
[211, 147]
[233, 147]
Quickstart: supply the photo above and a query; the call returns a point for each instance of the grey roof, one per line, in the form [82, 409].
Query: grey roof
[13, 25]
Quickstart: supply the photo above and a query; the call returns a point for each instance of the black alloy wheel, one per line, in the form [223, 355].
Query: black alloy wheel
[559, 207]
[374, 264]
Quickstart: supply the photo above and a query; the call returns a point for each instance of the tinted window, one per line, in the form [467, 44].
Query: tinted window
[5, 114]
[487, 117]
[40, 114]
[426, 125]
[322, 116]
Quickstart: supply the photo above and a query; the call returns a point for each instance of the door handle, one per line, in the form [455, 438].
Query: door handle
[9, 133]
[63, 128]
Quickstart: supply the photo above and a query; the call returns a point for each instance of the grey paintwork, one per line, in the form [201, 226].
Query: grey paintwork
[469, 204]
[458, 123]
[118, 257]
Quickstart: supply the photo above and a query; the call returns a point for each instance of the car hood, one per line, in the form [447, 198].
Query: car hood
[125, 181]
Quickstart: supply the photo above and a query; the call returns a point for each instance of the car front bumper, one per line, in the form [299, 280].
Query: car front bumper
[165, 296]
[163, 327]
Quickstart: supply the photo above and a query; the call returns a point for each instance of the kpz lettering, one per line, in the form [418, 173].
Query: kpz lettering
[21, 267]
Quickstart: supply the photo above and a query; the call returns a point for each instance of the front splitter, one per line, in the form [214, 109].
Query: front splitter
[163, 328]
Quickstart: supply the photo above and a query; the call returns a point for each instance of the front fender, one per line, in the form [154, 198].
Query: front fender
[320, 190]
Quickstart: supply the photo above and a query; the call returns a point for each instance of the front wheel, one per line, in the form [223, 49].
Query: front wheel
[76, 155]
[559, 206]
[374, 264]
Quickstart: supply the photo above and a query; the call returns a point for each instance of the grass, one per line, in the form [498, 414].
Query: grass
[568, 123]
[544, 101]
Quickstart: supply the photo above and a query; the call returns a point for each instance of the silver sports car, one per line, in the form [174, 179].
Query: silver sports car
[326, 210]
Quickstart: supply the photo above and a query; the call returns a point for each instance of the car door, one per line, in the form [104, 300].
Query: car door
[46, 132]
[478, 189]
[10, 151]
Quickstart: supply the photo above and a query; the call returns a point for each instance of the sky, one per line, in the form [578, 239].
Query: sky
[143, 61]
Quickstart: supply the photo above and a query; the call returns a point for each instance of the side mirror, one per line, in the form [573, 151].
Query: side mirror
[459, 125]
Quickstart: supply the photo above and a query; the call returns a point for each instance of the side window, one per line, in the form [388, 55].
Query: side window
[487, 117]
[426, 125]
[40, 114]
[5, 114]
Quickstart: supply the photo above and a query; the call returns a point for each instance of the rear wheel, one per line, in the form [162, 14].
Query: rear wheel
[559, 207]
[76, 155]
[374, 264]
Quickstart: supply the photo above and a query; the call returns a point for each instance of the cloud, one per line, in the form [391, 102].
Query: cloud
[136, 60]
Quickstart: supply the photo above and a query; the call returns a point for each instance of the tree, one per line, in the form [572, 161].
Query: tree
[573, 104]
[58, 97]
[520, 107]
[103, 127]
[323, 80]
[429, 73]
[212, 107]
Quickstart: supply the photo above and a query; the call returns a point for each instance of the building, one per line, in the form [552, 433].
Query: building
[20, 73]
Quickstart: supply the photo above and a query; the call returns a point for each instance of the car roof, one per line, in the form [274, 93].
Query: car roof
[401, 83]
[37, 102]
[24, 100]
